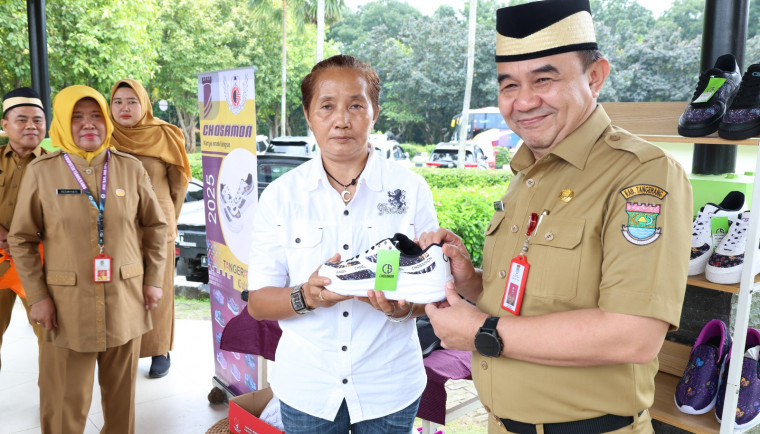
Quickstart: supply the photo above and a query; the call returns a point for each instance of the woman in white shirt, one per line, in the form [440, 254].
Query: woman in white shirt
[342, 362]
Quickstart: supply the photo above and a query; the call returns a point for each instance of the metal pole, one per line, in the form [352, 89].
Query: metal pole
[35, 10]
[724, 31]
[464, 120]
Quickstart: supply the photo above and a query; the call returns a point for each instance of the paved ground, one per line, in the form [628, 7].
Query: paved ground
[474, 422]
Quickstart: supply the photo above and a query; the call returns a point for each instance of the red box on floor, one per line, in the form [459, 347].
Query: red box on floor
[245, 410]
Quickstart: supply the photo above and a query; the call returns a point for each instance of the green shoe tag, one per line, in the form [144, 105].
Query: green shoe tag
[712, 87]
[386, 274]
[718, 229]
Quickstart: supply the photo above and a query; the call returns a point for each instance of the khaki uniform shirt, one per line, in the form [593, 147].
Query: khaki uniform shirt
[12, 168]
[617, 238]
[170, 187]
[91, 317]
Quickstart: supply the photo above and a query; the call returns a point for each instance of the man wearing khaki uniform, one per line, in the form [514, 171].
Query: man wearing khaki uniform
[94, 308]
[603, 221]
[24, 122]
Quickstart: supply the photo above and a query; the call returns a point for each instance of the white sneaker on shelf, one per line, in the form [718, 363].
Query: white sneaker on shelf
[703, 241]
[726, 264]
[422, 275]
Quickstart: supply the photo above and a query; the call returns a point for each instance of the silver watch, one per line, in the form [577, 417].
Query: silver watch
[298, 301]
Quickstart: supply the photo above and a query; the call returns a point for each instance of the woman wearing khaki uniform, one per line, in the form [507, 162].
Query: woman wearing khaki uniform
[103, 232]
[161, 148]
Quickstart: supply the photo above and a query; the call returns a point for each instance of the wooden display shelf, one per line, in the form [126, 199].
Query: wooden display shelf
[658, 122]
[664, 408]
[701, 281]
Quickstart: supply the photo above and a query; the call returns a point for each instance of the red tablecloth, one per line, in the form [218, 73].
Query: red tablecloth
[243, 334]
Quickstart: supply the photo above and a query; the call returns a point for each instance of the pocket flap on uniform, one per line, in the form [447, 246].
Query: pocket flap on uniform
[302, 236]
[61, 278]
[560, 232]
[495, 222]
[131, 270]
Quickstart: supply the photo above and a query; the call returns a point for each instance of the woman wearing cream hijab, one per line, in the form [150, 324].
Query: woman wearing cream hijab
[161, 148]
[104, 236]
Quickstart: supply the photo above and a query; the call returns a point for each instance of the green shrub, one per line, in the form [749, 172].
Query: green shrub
[450, 178]
[502, 156]
[466, 211]
[195, 165]
[415, 149]
[3, 140]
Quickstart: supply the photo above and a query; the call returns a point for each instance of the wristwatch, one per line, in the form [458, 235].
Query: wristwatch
[487, 340]
[297, 300]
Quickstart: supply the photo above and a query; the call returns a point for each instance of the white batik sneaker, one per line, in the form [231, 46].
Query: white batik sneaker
[703, 240]
[725, 265]
[235, 206]
[422, 274]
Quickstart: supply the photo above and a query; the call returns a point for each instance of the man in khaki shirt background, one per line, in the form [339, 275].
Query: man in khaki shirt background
[573, 346]
[24, 122]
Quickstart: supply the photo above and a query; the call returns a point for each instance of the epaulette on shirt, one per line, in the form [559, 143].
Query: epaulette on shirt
[45, 157]
[626, 141]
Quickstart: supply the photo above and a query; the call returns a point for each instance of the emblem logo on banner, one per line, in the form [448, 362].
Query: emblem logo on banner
[207, 105]
[235, 96]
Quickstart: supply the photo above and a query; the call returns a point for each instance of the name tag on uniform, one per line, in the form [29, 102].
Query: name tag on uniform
[68, 191]
[101, 268]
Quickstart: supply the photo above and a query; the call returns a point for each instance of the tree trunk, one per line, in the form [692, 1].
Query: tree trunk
[284, 67]
[320, 29]
[188, 129]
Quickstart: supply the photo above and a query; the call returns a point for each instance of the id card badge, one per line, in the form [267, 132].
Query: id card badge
[515, 289]
[101, 268]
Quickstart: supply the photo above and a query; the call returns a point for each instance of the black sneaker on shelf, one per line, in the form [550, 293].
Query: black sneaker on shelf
[742, 119]
[714, 94]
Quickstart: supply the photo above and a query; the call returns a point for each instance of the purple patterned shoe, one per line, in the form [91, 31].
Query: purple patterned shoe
[714, 94]
[748, 407]
[742, 120]
[698, 387]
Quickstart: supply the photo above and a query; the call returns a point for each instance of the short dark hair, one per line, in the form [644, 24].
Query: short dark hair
[341, 61]
[588, 57]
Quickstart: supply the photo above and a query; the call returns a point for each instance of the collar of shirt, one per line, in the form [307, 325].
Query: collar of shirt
[575, 148]
[371, 176]
[8, 151]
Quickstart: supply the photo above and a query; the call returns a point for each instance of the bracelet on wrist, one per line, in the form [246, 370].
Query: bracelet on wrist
[403, 318]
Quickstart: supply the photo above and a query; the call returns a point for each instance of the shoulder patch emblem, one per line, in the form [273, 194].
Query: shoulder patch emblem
[643, 189]
[642, 223]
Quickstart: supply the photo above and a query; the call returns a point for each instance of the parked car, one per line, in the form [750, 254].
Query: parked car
[445, 155]
[194, 191]
[190, 244]
[262, 143]
[294, 145]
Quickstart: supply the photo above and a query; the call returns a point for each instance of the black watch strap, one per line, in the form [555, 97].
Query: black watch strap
[487, 340]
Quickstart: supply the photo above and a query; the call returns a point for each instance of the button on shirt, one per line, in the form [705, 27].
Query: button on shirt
[350, 350]
[12, 168]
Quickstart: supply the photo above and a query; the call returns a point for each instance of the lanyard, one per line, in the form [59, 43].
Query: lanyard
[100, 207]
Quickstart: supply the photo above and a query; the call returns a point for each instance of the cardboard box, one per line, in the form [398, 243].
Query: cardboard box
[245, 411]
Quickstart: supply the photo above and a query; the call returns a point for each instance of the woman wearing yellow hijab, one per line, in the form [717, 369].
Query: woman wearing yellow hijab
[95, 212]
[160, 146]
